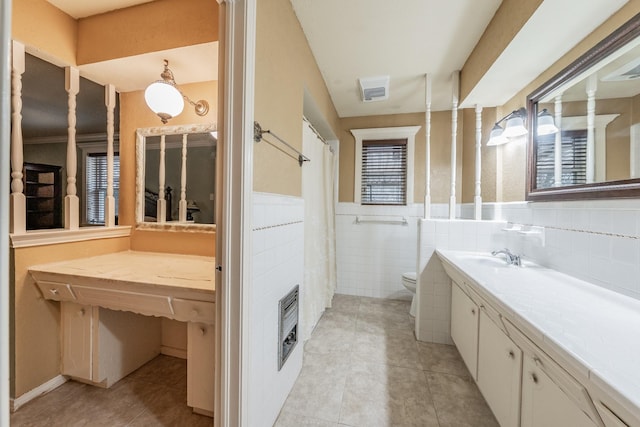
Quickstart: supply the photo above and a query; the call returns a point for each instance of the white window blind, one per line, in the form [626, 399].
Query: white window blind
[96, 185]
[574, 159]
[384, 172]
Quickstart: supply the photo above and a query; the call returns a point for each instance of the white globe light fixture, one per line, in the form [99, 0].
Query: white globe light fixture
[165, 99]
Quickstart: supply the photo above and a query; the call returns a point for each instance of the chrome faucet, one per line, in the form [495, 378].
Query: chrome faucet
[511, 259]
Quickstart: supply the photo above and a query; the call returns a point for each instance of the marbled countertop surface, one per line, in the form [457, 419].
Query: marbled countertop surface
[187, 272]
[597, 328]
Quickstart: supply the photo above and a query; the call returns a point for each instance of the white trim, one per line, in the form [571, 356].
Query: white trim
[601, 121]
[45, 388]
[335, 146]
[173, 352]
[86, 149]
[634, 150]
[57, 236]
[5, 144]
[401, 132]
[234, 245]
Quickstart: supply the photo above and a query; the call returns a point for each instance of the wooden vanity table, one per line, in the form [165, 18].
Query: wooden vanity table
[104, 338]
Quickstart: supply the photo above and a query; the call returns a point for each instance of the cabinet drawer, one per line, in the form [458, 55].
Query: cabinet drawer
[194, 311]
[56, 291]
[556, 373]
[147, 304]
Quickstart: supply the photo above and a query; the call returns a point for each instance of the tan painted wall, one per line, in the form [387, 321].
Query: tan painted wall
[135, 114]
[440, 152]
[618, 148]
[149, 27]
[503, 27]
[513, 165]
[487, 159]
[36, 337]
[36, 341]
[42, 26]
[285, 66]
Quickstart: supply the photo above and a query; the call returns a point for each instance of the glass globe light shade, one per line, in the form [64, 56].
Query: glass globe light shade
[514, 127]
[546, 125]
[164, 100]
[496, 137]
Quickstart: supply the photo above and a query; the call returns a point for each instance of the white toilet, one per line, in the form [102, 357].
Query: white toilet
[409, 282]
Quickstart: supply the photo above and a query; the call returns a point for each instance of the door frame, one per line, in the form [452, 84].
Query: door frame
[5, 153]
[234, 235]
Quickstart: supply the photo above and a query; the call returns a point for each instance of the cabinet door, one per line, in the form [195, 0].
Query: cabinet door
[200, 367]
[544, 404]
[77, 340]
[464, 327]
[499, 372]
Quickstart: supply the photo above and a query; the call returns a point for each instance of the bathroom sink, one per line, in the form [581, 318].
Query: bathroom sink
[485, 259]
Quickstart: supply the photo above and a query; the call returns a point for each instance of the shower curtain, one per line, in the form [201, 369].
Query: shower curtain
[319, 230]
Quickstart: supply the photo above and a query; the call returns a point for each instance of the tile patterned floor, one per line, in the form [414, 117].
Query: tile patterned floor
[364, 367]
[154, 395]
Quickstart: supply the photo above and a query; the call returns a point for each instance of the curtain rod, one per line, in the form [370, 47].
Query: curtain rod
[257, 137]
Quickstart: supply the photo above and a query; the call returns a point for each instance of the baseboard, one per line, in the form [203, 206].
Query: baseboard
[173, 352]
[45, 388]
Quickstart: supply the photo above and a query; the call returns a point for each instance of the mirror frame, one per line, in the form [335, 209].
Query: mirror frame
[609, 189]
[141, 135]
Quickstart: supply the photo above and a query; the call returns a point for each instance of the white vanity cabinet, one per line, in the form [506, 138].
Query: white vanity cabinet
[111, 315]
[102, 346]
[201, 367]
[499, 370]
[464, 327]
[544, 404]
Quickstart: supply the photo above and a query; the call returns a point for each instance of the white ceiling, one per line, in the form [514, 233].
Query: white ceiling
[405, 40]
[83, 8]
[196, 63]
[189, 64]
[363, 38]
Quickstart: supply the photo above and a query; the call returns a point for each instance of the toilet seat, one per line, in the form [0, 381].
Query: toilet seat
[409, 276]
[409, 282]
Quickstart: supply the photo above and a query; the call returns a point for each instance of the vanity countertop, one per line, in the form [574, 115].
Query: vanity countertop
[595, 329]
[141, 271]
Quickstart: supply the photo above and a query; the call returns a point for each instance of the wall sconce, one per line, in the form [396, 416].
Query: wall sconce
[165, 99]
[514, 127]
[546, 124]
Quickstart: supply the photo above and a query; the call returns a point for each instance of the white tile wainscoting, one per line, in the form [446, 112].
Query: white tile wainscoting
[597, 241]
[278, 263]
[433, 317]
[371, 256]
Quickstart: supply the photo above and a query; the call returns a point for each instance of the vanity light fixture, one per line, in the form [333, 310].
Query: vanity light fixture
[546, 124]
[165, 99]
[514, 126]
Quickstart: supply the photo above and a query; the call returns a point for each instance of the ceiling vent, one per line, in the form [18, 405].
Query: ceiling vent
[629, 71]
[374, 88]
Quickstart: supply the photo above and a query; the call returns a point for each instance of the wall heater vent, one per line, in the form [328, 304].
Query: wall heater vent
[287, 325]
[374, 88]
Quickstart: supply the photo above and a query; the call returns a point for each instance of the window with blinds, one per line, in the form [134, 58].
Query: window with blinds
[574, 159]
[384, 172]
[96, 185]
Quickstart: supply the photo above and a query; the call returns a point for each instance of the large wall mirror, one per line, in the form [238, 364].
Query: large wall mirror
[595, 103]
[175, 177]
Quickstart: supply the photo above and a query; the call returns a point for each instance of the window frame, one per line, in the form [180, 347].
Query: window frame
[87, 149]
[380, 134]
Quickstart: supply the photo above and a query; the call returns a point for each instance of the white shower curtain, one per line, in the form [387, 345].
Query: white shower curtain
[319, 230]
